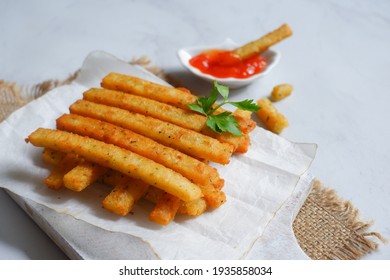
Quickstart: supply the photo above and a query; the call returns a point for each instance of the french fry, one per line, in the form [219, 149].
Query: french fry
[192, 208]
[55, 179]
[111, 178]
[52, 157]
[281, 91]
[137, 86]
[195, 170]
[146, 106]
[244, 145]
[153, 194]
[125, 194]
[165, 209]
[213, 197]
[119, 159]
[83, 175]
[244, 120]
[187, 141]
[261, 45]
[270, 116]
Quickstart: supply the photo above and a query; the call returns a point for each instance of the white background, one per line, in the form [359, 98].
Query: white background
[337, 60]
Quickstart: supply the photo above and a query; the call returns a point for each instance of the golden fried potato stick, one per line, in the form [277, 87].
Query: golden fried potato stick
[185, 140]
[270, 116]
[261, 45]
[83, 175]
[111, 178]
[281, 91]
[244, 120]
[153, 194]
[165, 209]
[141, 87]
[52, 157]
[244, 145]
[193, 169]
[191, 208]
[213, 197]
[125, 194]
[55, 179]
[149, 107]
[117, 158]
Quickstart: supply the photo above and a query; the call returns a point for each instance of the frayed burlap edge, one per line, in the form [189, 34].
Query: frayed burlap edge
[14, 96]
[326, 227]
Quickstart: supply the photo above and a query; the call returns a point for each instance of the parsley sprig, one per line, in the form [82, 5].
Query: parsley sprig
[225, 121]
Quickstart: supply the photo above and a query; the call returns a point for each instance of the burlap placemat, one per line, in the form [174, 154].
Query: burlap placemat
[326, 227]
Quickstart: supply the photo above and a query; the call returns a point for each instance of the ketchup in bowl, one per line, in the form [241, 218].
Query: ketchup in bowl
[225, 64]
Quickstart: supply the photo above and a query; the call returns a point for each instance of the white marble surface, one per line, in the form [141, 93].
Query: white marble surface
[337, 60]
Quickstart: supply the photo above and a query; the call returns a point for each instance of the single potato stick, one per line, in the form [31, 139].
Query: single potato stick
[146, 106]
[165, 209]
[83, 175]
[185, 140]
[244, 145]
[125, 194]
[162, 111]
[247, 125]
[191, 208]
[137, 86]
[153, 194]
[52, 157]
[55, 180]
[111, 178]
[223, 137]
[261, 45]
[117, 158]
[244, 120]
[213, 197]
[281, 91]
[270, 116]
[195, 170]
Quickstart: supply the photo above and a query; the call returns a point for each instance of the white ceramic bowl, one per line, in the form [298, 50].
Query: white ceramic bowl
[186, 54]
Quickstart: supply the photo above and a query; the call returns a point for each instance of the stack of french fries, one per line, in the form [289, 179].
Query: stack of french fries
[142, 140]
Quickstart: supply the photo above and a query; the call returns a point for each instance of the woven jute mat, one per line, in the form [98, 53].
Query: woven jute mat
[326, 227]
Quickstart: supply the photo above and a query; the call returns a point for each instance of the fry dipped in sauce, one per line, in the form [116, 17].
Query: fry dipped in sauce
[226, 64]
[242, 62]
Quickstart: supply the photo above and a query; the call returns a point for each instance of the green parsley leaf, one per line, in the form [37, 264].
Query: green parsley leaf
[228, 124]
[196, 108]
[207, 102]
[246, 105]
[225, 121]
[223, 90]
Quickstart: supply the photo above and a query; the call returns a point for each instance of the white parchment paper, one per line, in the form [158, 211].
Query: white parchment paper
[257, 183]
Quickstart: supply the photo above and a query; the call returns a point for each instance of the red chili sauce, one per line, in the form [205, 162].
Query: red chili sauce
[225, 64]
